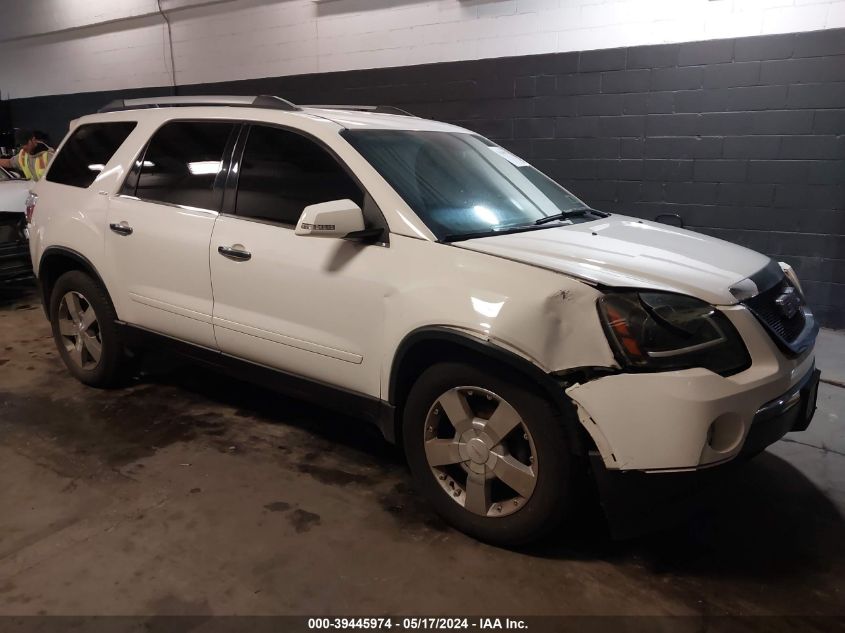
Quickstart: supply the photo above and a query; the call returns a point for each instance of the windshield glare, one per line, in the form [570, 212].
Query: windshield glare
[462, 183]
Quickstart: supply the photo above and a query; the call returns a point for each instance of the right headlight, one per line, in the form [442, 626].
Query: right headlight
[661, 331]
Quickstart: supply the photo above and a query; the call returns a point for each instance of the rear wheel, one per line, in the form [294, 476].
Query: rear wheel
[85, 331]
[489, 452]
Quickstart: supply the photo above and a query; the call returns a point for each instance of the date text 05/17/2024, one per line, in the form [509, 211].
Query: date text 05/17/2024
[417, 623]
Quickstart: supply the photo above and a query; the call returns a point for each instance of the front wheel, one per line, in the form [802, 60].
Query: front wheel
[84, 329]
[489, 452]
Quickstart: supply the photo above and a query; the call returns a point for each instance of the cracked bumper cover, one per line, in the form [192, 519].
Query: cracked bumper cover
[690, 419]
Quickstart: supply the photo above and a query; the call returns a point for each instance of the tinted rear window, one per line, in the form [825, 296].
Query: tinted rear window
[87, 151]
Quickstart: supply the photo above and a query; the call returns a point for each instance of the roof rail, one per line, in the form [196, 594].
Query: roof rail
[261, 101]
[380, 109]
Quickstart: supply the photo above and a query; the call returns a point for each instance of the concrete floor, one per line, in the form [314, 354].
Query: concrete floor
[188, 493]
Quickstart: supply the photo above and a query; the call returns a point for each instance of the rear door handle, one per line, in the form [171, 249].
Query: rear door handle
[235, 253]
[121, 229]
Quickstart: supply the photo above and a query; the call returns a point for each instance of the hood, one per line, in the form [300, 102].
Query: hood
[13, 194]
[625, 252]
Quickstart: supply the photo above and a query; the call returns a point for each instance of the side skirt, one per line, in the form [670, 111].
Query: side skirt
[371, 409]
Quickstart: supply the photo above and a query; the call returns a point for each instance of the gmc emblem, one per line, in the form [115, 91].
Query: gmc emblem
[788, 302]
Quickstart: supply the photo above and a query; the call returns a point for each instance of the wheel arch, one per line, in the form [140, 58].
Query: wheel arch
[56, 261]
[425, 346]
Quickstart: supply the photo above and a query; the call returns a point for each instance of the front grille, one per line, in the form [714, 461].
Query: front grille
[764, 307]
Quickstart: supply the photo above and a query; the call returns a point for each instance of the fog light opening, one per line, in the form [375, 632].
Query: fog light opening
[725, 433]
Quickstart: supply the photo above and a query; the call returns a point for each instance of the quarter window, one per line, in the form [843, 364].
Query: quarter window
[87, 151]
[283, 172]
[183, 162]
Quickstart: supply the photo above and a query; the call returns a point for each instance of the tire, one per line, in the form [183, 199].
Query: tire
[515, 515]
[78, 339]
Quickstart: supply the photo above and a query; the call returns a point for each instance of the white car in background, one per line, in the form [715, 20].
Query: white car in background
[420, 275]
[13, 192]
[15, 264]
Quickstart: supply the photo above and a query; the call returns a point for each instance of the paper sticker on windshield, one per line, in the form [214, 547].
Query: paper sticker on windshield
[513, 159]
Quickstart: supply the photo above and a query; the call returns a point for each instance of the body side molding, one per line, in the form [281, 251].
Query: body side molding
[329, 396]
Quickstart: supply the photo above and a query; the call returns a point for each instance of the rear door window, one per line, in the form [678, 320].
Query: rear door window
[283, 172]
[87, 151]
[184, 164]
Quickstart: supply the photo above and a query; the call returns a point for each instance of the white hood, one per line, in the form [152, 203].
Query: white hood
[621, 251]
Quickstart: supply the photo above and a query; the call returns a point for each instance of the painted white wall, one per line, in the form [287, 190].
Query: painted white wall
[67, 46]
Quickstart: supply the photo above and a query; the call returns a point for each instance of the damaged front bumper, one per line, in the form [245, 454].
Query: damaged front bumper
[637, 502]
[692, 419]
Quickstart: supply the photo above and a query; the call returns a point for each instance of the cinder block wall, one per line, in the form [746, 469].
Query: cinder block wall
[744, 138]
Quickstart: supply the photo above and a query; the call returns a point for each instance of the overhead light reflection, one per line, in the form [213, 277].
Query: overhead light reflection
[486, 308]
[485, 215]
[204, 167]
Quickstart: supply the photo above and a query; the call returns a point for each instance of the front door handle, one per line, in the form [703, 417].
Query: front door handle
[121, 229]
[235, 253]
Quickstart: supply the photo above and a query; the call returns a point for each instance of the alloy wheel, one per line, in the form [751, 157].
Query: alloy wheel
[80, 330]
[480, 451]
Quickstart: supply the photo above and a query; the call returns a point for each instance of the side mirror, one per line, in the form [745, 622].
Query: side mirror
[337, 218]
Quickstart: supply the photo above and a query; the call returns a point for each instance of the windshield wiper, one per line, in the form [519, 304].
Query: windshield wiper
[519, 228]
[571, 213]
[458, 237]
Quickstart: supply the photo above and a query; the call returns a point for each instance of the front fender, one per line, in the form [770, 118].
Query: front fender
[548, 319]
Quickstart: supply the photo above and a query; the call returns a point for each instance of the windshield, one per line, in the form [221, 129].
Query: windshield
[461, 184]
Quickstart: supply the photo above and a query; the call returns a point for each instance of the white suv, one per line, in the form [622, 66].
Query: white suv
[477, 312]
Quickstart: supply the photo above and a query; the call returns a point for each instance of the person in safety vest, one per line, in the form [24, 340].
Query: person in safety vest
[33, 158]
